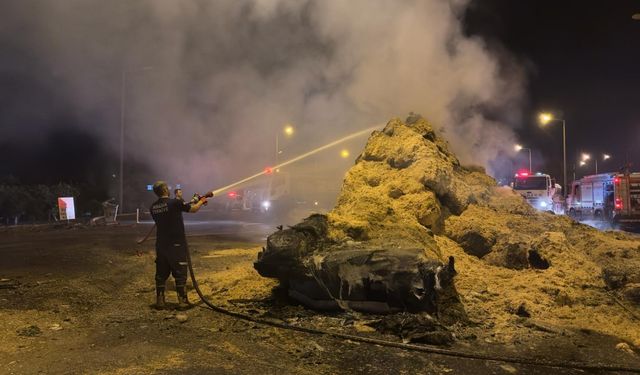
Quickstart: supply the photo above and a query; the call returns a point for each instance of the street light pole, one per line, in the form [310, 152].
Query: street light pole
[277, 148]
[520, 148]
[586, 157]
[546, 118]
[122, 111]
[288, 131]
[564, 156]
[605, 157]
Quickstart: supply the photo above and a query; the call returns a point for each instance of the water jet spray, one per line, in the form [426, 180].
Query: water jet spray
[270, 170]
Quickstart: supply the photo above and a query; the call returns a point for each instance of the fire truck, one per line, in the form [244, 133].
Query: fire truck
[614, 197]
[540, 190]
[258, 196]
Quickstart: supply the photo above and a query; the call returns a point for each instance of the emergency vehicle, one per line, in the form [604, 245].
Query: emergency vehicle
[540, 190]
[259, 196]
[614, 197]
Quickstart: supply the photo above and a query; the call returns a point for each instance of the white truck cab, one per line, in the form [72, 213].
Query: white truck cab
[539, 189]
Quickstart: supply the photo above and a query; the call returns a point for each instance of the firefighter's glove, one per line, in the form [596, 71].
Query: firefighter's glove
[196, 197]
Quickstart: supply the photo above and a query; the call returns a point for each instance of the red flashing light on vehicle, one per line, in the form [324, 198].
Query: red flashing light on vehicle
[232, 194]
[268, 170]
[618, 204]
[522, 173]
[616, 180]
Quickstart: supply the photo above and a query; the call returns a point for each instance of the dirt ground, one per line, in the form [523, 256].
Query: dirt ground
[79, 301]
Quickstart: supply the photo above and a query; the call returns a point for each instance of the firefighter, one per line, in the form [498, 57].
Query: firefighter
[171, 243]
[178, 194]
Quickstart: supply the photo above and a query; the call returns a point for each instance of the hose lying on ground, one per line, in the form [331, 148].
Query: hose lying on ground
[412, 347]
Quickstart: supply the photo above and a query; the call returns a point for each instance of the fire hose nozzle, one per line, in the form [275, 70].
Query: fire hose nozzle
[197, 197]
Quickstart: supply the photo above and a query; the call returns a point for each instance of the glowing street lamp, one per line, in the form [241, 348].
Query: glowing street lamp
[586, 157]
[519, 148]
[288, 131]
[605, 157]
[547, 118]
[344, 153]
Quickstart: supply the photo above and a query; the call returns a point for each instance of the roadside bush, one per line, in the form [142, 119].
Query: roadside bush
[32, 203]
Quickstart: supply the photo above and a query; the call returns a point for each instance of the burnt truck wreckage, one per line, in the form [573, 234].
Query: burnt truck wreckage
[325, 276]
[413, 230]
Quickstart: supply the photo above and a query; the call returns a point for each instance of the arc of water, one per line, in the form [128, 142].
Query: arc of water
[297, 158]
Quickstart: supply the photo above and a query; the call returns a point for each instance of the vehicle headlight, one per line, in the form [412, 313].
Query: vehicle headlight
[266, 205]
[543, 204]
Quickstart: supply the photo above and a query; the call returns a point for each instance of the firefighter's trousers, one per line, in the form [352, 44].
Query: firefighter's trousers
[171, 260]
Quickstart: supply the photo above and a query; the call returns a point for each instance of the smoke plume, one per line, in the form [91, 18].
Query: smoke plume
[209, 84]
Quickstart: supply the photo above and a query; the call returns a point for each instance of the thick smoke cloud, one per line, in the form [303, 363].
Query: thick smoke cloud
[210, 83]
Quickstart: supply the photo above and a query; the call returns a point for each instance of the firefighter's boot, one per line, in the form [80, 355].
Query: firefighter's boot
[160, 303]
[183, 300]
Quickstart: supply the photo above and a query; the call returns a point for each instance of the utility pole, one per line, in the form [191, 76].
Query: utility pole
[123, 85]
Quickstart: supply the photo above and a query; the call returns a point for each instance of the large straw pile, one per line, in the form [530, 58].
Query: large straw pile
[408, 191]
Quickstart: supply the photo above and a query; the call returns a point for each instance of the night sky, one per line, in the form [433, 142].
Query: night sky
[581, 60]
